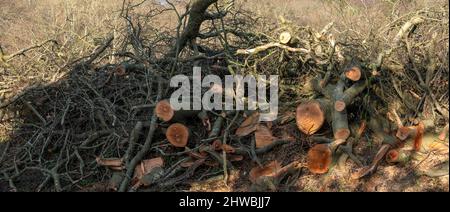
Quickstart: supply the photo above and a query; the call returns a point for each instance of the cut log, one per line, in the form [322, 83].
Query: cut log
[349, 95]
[310, 117]
[404, 133]
[177, 134]
[398, 156]
[166, 113]
[319, 158]
[285, 37]
[353, 74]
[339, 119]
[419, 136]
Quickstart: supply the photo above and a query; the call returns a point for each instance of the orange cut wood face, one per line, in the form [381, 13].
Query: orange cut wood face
[120, 70]
[342, 134]
[164, 110]
[309, 117]
[268, 170]
[263, 136]
[177, 134]
[419, 136]
[392, 156]
[353, 74]
[228, 149]
[319, 159]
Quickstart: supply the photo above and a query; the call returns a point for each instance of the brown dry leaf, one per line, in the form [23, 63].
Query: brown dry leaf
[228, 149]
[146, 166]
[197, 155]
[234, 158]
[268, 170]
[187, 164]
[263, 136]
[249, 125]
[216, 145]
[113, 163]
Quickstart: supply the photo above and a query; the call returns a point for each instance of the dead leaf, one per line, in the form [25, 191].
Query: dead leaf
[216, 145]
[197, 155]
[228, 149]
[270, 170]
[249, 125]
[146, 167]
[263, 136]
[235, 158]
[187, 164]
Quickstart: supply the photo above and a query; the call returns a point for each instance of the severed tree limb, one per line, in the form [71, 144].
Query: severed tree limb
[6, 58]
[401, 33]
[100, 50]
[373, 166]
[340, 121]
[264, 47]
[132, 141]
[349, 94]
[197, 15]
[147, 145]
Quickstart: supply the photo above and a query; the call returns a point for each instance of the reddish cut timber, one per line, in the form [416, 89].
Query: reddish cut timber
[166, 113]
[319, 158]
[348, 96]
[177, 134]
[310, 117]
[164, 110]
[353, 74]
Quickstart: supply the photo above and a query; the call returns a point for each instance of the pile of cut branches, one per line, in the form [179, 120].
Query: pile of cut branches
[110, 127]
